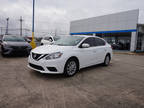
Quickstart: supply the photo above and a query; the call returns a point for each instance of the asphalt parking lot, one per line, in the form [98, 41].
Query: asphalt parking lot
[121, 85]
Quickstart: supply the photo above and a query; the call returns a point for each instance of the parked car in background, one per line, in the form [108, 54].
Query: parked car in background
[49, 40]
[14, 45]
[0, 41]
[116, 46]
[69, 54]
[1, 36]
[27, 39]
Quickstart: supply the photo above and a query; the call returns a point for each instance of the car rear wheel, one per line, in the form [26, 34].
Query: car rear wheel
[107, 60]
[71, 68]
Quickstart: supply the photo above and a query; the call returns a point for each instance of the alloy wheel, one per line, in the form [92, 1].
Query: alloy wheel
[71, 68]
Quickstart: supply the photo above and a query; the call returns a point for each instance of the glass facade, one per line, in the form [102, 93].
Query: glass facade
[122, 40]
[140, 38]
[119, 41]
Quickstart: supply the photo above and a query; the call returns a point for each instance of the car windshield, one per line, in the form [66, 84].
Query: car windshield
[14, 39]
[56, 38]
[68, 41]
[47, 38]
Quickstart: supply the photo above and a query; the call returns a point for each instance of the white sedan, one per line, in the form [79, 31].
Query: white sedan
[69, 54]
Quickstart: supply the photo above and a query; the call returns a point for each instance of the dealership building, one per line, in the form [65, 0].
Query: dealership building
[121, 30]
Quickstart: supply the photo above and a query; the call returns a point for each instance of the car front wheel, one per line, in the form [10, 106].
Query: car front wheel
[71, 68]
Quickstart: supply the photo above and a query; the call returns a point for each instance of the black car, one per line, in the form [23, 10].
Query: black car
[116, 46]
[14, 45]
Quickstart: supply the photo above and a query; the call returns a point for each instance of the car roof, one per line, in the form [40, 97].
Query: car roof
[8, 36]
[11, 36]
[85, 36]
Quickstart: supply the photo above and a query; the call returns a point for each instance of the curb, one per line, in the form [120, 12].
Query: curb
[128, 53]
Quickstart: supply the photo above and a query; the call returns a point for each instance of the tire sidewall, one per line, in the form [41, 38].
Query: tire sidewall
[65, 68]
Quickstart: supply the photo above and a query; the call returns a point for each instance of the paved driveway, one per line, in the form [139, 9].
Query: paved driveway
[121, 85]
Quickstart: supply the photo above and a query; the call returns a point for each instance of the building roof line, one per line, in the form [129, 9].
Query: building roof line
[113, 31]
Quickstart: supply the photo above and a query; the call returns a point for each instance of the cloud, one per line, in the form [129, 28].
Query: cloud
[51, 14]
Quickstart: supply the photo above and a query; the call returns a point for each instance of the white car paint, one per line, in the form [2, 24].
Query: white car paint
[86, 56]
[45, 41]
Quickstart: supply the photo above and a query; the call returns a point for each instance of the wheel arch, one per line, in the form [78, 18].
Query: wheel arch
[108, 54]
[75, 58]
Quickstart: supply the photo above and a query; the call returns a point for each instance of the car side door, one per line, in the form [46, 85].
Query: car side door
[86, 55]
[100, 50]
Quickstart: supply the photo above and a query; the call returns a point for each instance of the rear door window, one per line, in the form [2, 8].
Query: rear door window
[99, 42]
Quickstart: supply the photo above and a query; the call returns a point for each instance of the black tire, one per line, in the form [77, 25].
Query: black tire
[74, 68]
[3, 55]
[2, 52]
[27, 54]
[107, 60]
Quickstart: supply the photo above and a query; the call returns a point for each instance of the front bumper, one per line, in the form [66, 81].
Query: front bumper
[55, 66]
[8, 51]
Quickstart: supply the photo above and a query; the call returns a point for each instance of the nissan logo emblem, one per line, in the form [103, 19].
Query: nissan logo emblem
[34, 55]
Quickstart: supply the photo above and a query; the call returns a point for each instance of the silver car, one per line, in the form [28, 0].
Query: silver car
[14, 45]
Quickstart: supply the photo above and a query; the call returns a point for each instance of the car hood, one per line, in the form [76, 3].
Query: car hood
[46, 49]
[17, 43]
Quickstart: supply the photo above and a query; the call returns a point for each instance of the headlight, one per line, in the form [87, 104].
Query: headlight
[53, 56]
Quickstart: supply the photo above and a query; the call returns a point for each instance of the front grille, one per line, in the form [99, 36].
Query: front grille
[23, 47]
[19, 47]
[37, 57]
[36, 67]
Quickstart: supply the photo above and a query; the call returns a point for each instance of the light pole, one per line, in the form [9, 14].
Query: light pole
[33, 44]
[7, 19]
[21, 20]
[1, 30]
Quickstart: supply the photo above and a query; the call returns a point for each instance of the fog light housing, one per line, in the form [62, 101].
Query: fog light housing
[52, 69]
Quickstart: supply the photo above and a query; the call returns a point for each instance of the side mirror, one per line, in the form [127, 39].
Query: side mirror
[85, 45]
